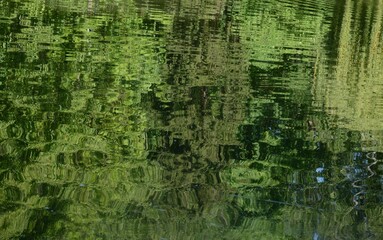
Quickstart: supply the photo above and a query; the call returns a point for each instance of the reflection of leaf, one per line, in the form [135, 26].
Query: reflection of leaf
[268, 138]
[244, 176]
[11, 147]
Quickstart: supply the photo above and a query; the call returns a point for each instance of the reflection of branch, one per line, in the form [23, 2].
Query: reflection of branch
[311, 125]
[371, 155]
[357, 197]
[90, 6]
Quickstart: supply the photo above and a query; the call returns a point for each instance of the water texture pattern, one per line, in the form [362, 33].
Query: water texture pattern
[191, 119]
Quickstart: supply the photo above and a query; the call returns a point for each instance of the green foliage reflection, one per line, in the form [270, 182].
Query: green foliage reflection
[182, 119]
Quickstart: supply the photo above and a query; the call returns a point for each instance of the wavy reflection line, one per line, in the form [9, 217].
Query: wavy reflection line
[293, 204]
[359, 196]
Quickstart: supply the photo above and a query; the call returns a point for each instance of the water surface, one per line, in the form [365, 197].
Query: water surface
[236, 119]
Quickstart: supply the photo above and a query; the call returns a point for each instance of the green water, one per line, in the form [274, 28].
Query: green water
[219, 119]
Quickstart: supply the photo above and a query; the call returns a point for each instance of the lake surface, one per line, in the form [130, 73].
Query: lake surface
[178, 119]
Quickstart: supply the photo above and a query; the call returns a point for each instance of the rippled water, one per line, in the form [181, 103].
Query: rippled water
[236, 119]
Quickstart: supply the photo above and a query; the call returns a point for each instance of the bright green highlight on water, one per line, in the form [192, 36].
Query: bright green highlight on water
[221, 119]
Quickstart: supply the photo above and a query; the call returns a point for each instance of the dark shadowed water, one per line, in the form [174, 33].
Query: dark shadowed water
[180, 119]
